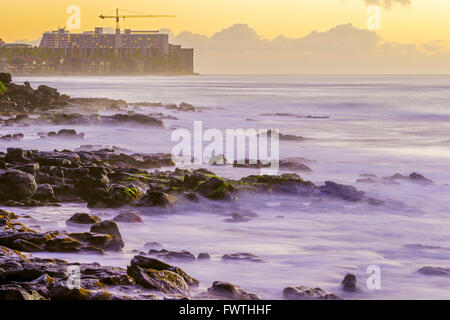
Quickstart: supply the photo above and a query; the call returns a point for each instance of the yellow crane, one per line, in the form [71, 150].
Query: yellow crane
[118, 17]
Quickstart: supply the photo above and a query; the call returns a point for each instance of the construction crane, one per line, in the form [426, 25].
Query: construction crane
[118, 17]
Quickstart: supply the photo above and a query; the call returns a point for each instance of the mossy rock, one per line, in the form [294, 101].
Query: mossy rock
[216, 189]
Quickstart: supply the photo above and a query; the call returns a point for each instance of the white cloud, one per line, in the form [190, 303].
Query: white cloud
[342, 49]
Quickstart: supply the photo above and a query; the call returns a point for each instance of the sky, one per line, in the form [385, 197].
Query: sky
[326, 32]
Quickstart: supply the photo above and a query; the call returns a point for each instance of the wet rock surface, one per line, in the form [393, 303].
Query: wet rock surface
[306, 293]
[435, 271]
[242, 257]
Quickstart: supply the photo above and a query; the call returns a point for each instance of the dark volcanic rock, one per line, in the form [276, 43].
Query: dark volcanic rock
[242, 257]
[217, 189]
[306, 293]
[349, 283]
[107, 227]
[5, 78]
[203, 256]
[172, 255]
[83, 218]
[226, 290]
[16, 185]
[150, 263]
[435, 271]
[44, 192]
[66, 133]
[345, 192]
[129, 217]
[12, 137]
[102, 242]
[164, 281]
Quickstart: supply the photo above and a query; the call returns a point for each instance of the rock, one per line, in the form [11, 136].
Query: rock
[287, 183]
[16, 185]
[418, 178]
[103, 242]
[66, 133]
[186, 107]
[107, 227]
[344, 192]
[349, 283]
[306, 293]
[62, 292]
[150, 263]
[159, 199]
[284, 137]
[435, 271]
[203, 256]
[413, 177]
[153, 245]
[230, 291]
[242, 257]
[294, 166]
[12, 137]
[83, 218]
[7, 238]
[129, 217]
[5, 77]
[63, 244]
[164, 281]
[216, 189]
[173, 255]
[236, 217]
[16, 293]
[44, 192]
[25, 246]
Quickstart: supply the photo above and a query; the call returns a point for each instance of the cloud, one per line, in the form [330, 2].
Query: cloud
[342, 49]
[387, 3]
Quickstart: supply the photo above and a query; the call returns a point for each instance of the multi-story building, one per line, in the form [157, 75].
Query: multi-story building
[2, 43]
[144, 42]
[183, 58]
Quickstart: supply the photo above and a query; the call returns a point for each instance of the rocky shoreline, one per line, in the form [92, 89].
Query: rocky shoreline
[102, 177]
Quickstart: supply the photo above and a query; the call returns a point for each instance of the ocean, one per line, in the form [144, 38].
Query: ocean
[353, 125]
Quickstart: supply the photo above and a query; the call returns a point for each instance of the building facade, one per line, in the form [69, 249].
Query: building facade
[146, 43]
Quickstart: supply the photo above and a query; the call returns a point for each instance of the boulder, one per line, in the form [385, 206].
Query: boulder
[349, 283]
[203, 256]
[63, 244]
[306, 293]
[129, 217]
[435, 271]
[242, 257]
[172, 255]
[216, 189]
[83, 218]
[25, 246]
[44, 192]
[16, 185]
[226, 290]
[341, 191]
[164, 281]
[5, 77]
[151, 263]
[107, 227]
[103, 242]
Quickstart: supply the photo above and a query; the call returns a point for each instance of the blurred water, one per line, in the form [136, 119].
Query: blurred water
[377, 124]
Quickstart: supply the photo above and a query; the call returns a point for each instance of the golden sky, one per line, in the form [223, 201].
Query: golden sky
[419, 22]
